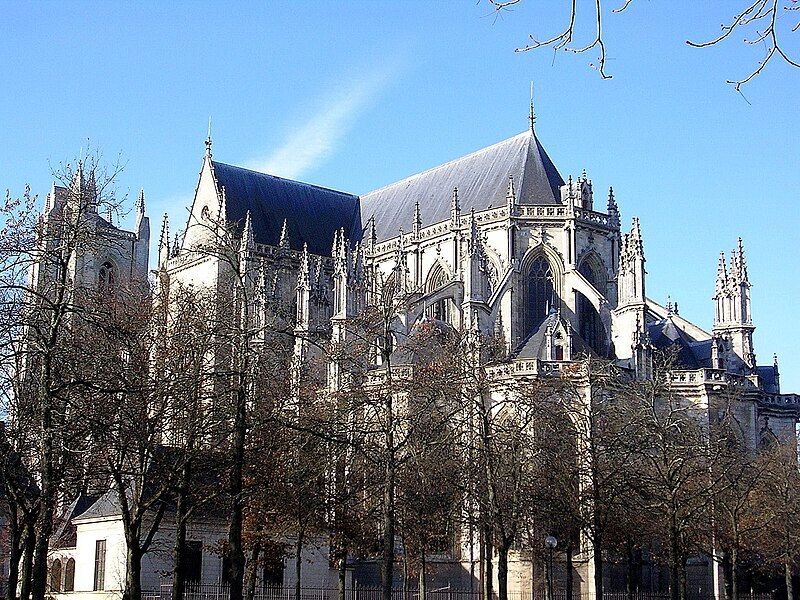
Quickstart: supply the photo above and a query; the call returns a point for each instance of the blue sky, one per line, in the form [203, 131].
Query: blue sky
[359, 94]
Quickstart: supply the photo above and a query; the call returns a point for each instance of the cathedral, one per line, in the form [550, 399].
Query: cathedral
[496, 242]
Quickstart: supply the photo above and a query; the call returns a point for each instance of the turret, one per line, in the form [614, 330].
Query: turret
[631, 278]
[733, 325]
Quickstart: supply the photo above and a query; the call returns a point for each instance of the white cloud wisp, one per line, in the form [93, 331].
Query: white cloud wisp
[311, 143]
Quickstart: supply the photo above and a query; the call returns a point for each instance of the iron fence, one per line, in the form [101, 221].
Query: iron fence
[220, 591]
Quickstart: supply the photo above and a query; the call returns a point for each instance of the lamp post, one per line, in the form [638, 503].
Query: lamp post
[550, 542]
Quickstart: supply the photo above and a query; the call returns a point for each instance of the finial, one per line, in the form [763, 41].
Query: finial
[775, 361]
[455, 208]
[417, 218]
[532, 114]
[248, 237]
[284, 239]
[612, 208]
[669, 306]
[110, 215]
[208, 139]
[140, 202]
[742, 263]
[373, 235]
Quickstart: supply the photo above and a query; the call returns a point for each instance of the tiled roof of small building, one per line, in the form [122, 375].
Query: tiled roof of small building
[313, 214]
[481, 179]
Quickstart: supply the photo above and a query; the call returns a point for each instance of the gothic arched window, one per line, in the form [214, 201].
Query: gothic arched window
[540, 293]
[443, 308]
[106, 278]
[591, 328]
[55, 576]
[69, 575]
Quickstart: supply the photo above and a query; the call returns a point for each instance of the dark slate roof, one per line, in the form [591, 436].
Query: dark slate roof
[533, 346]
[313, 214]
[769, 379]
[66, 534]
[106, 505]
[692, 354]
[481, 179]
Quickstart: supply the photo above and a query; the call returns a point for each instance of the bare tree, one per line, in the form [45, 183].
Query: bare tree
[760, 21]
[42, 262]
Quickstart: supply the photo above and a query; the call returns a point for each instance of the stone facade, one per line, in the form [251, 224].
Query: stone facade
[496, 242]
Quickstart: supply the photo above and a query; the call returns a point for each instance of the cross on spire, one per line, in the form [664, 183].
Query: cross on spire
[532, 114]
[208, 139]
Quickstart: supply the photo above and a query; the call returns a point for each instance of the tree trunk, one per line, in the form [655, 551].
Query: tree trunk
[298, 565]
[630, 572]
[342, 583]
[734, 574]
[15, 553]
[178, 576]
[682, 578]
[676, 583]
[27, 562]
[133, 575]
[787, 574]
[44, 524]
[423, 579]
[597, 560]
[235, 571]
[387, 569]
[252, 572]
[502, 571]
[488, 550]
[725, 565]
[568, 582]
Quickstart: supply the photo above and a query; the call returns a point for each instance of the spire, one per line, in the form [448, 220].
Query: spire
[283, 242]
[175, 245]
[532, 113]
[208, 139]
[417, 219]
[140, 203]
[248, 238]
[110, 214]
[722, 274]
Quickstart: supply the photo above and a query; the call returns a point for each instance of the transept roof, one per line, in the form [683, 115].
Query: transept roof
[481, 179]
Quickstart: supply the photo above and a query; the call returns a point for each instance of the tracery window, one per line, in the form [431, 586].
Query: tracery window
[591, 327]
[540, 293]
[106, 279]
[442, 309]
